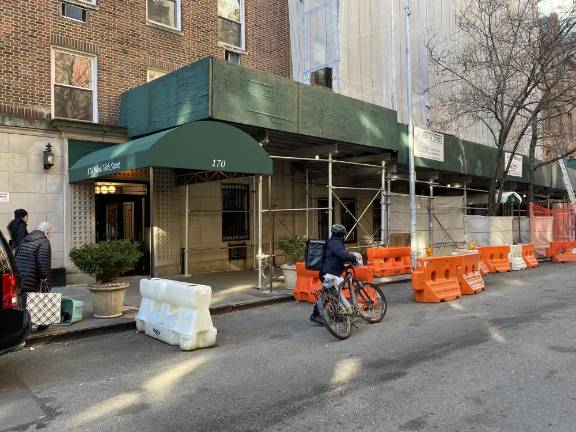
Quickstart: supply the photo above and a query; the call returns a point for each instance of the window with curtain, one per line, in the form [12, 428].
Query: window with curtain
[231, 22]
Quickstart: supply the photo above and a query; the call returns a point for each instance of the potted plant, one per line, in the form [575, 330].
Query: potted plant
[294, 248]
[105, 262]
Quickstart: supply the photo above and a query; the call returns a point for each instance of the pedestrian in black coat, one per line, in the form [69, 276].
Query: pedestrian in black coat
[17, 229]
[34, 257]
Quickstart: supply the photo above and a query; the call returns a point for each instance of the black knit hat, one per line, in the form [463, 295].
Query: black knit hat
[20, 213]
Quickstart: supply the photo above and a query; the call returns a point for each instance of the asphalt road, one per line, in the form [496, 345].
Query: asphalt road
[503, 360]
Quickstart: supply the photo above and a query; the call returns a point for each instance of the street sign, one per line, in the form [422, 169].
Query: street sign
[428, 144]
[516, 165]
[4, 197]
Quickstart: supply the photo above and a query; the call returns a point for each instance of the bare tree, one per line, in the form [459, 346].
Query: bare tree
[508, 69]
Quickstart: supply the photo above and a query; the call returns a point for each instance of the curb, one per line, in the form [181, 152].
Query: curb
[43, 339]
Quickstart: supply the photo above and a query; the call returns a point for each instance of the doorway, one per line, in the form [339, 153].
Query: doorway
[122, 214]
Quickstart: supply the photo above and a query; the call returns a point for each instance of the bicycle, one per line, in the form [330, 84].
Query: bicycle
[341, 306]
[268, 269]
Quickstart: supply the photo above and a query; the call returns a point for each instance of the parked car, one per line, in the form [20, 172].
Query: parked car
[14, 319]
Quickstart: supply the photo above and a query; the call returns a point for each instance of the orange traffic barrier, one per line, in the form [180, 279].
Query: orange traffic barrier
[435, 279]
[562, 251]
[529, 255]
[484, 270]
[308, 284]
[496, 258]
[389, 261]
[469, 276]
[364, 273]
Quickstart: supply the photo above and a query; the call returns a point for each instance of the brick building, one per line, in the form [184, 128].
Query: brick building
[65, 64]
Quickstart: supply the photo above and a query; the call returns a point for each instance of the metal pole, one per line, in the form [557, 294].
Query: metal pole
[307, 205]
[151, 205]
[259, 256]
[407, 13]
[388, 189]
[271, 225]
[330, 204]
[187, 229]
[465, 211]
[431, 217]
[383, 208]
[254, 223]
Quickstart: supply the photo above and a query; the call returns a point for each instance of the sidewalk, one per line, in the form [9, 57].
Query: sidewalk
[230, 291]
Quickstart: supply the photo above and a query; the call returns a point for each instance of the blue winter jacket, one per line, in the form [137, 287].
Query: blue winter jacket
[335, 256]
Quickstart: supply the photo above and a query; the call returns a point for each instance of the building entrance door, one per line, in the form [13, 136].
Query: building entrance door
[122, 214]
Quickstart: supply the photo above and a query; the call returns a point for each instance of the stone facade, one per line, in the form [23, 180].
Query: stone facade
[41, 192]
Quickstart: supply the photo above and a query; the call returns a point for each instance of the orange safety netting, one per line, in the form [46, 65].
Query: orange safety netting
[556, 224]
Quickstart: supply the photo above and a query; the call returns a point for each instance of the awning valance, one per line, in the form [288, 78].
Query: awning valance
[201, 146]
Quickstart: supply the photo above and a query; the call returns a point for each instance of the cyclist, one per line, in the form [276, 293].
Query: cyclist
[335, 258]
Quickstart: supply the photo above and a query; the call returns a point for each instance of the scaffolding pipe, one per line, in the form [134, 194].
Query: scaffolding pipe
[187, 229]
[307, 205]
[330, 192]
[271, 228]
[292, 209]
[412, 172]
[431, 216]
[382, 203]
[254, 223]
[152, 245]
[464, 212]
[259, 256]
[388, 189]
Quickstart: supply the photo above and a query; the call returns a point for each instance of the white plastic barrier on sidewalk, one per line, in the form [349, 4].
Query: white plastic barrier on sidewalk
[516, 258]
[176, 313]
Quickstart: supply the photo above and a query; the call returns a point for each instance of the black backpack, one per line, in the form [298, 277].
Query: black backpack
[314, 257]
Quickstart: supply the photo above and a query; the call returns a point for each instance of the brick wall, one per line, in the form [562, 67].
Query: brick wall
[125, 46]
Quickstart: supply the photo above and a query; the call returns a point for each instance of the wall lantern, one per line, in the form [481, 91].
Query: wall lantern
[48, 157]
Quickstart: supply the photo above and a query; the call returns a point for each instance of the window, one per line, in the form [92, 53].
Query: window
[232, 57]
[74, 94]
[347, 219]
[152, 74]
[322, 77]
[235, 212]
[73, 12]
[164, 12]
[231, 22]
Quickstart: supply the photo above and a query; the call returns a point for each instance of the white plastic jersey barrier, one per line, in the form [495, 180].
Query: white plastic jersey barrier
[176, 313]
[516, 258]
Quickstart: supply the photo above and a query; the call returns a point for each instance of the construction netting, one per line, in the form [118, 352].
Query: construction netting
[555, 224]
[446, 219]
[490, 230]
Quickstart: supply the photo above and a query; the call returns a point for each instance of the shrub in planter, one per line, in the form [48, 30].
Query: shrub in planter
[105, 262]
[294, 248]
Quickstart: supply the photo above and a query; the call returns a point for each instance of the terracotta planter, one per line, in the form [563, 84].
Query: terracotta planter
[108, 299]
[289, 271]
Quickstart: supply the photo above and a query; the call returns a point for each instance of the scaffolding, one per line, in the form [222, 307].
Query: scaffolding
[333, 194]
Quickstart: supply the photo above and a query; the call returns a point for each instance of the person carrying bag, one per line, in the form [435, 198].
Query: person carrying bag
[33, 259]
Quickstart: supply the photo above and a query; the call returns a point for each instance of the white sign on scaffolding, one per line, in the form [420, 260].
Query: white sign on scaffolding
[516, 165]
[428, 144]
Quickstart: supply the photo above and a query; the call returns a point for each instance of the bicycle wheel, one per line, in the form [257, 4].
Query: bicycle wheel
[371, 302]
[336, 320]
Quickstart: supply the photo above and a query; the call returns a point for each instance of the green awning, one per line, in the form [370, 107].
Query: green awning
[199, 146]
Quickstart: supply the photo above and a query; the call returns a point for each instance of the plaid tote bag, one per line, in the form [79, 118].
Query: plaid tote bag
[44, 306]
